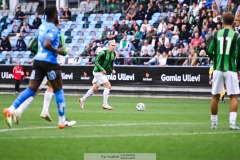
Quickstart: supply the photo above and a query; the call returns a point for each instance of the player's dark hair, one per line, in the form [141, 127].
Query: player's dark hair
[228, 18]
[50, 11]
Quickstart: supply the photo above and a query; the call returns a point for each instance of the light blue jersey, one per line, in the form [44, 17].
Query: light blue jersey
[49, 31]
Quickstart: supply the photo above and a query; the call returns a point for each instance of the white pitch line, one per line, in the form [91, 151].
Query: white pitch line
[120, 135]
[101, 125]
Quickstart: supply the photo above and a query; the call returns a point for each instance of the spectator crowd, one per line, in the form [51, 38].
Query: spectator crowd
[171, 32]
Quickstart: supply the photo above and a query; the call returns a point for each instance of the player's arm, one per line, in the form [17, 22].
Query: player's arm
[50, 36]
[97, 61]
[112, 67]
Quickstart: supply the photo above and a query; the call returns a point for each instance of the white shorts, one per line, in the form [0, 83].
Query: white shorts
[44, 82]
[229, 79]
[99, 78]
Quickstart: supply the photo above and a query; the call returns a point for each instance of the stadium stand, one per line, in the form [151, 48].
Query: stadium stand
[84, 26]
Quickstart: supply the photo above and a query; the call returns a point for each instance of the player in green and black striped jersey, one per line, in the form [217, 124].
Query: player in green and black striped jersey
[224, 51]
[103, 61]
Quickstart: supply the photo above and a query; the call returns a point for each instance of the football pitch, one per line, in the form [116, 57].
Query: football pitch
[174, 129]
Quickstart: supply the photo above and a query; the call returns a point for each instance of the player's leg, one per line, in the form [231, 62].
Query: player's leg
[28, 92]
[217, 85]
[232, 88]
[89, 94]
[55, 79]
[46, 103]
[35, 81]
[106, 92]
[92, 90]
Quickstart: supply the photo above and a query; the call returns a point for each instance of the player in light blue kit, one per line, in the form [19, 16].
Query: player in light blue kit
[45, 64]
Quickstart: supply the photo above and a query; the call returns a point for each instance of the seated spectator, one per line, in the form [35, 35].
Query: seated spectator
[204, 32]
[87, 50]
[115, 6]
[140, 13]
[119, 59]
[158, 59]
[154, 41]
[20, 45]
[170, 59]
[167, 47]
[132, 28]
[89, 6]
[149, 12]
[5, 44]
[145, 24]
[161, 28]
[192, 59]
[185, 9]
[175, 50]
[107, 6]
[149, 48]
[184, 35]
[112, 34]
[91, 58]
[19, 15]
[100, 48]
[163, 39]
[145, 57]
[211, 23]
[94, 46]
[196, 41]
[36, 22]
[187, 25]
[178, 10]
[124, 44]
[135, 58]
[180, 57]
[123, 28]
[135, 43]
[66, 14]
[131, 13]
[125, 7]
[137, 33]
[151, 32]
[98, 8]
[171, 24]
[116, 25]
[25, 29]
[60, 13]
[203, 58]
[144, 34]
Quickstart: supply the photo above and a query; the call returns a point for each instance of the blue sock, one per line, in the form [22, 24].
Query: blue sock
[23, 96]
[60, 100]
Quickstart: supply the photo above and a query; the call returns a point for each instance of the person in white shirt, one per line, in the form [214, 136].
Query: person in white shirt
[124, 44]
[100, 48]
[145, 24]
[163, 39]
[147, 47]
[158, 59]
[161, 28]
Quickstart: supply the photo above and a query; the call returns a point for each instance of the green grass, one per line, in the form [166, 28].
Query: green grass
[174, 129]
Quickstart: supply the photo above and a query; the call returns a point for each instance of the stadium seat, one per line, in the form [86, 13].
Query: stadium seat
[75, 39]
[27, 39]
[27, 54]
[14, 54]
[14, 41]
[81, 48]
[84, 61]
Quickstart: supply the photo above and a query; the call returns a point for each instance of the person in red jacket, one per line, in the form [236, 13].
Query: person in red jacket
[18, 74]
